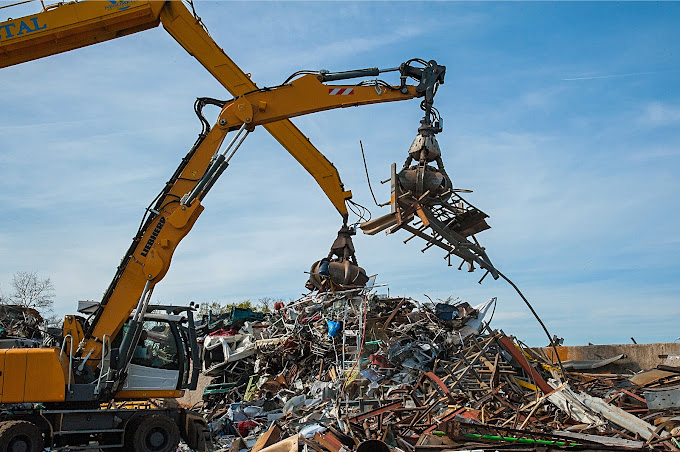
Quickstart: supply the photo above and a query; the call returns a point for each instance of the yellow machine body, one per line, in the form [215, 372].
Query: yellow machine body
[32, 375]
[71, 26]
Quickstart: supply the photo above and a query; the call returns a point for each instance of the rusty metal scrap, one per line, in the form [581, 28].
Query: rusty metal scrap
[19, 323]
[424, 203]
[353, 371]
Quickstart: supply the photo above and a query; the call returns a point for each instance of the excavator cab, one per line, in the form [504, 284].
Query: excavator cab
[157, 363]
[162, 357]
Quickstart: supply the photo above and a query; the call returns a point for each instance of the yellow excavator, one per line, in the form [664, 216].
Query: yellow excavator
[124, 348]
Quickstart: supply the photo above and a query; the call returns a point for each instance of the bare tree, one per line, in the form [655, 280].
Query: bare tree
[32, 292]
[268, 303]
[215, 307]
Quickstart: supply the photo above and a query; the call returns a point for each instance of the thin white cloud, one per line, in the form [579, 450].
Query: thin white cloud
[661, 114]
[631, 74]
[541, 98]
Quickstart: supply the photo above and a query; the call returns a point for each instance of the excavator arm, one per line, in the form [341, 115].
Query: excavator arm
[303, 96]
[174, 212]
[188, 32]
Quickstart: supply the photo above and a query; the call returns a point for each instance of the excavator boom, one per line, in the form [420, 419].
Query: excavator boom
[177, 208]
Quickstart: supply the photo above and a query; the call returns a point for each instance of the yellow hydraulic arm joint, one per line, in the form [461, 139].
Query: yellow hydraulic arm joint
[188, 32]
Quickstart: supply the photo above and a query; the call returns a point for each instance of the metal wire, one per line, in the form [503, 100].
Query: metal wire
[368, 179]
[197, 17]
[362, 214]
[531, 308]
[298, 73]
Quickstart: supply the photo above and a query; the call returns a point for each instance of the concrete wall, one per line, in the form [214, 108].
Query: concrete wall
[638, 356]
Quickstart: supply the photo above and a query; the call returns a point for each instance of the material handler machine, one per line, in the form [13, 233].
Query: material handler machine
[123, 349]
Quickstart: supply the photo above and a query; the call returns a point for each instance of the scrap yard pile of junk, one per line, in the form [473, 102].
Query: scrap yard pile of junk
[353, 370]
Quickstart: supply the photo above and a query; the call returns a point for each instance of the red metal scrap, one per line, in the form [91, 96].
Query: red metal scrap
[519, 357]
[438, 382]
[377, 411]
[329, 441]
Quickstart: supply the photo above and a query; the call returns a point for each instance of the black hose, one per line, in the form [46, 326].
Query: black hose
[531, 308]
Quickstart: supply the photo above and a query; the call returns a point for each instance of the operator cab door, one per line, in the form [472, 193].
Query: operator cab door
[157, 361]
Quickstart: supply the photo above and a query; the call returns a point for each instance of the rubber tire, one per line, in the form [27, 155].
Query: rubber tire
[24, 431]
[145, 431]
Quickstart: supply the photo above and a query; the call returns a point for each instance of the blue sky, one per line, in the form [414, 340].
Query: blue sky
[564, 118]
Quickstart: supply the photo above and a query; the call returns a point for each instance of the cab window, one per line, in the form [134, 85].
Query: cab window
[156, 347]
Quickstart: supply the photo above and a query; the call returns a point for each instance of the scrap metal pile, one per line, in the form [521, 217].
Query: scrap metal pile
[354, 371]
[19, 325]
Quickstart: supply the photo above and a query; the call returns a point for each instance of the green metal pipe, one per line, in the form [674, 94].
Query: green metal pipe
[512, 439]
